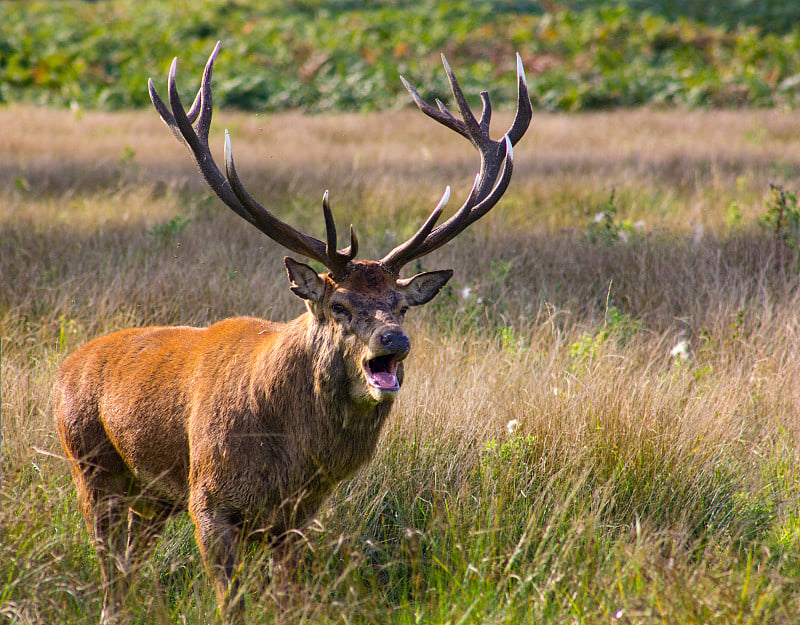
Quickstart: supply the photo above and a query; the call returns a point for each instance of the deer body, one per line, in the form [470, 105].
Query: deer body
[249, 423]
[220, 389]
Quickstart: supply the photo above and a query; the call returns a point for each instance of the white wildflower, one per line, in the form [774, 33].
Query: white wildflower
[512, 426]
[681, 350]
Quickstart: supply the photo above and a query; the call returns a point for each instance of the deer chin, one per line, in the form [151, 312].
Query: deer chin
[381, 375]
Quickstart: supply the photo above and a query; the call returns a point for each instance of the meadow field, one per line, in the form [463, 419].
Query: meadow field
[600, 421]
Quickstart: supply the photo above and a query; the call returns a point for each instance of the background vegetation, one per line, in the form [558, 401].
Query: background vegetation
[342, 55]
[600, 418]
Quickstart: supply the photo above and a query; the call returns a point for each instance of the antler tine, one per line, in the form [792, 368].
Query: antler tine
[496, 166]
[330, 225]
[469, 213]
[270, 225]
[202, 101]
[480, 208]
[181, 126]
[192, 128]
[524, 109]
[486, 113]
[440, 114]
[337, 259]
[473, 129]
[202, 107]
[400, 251]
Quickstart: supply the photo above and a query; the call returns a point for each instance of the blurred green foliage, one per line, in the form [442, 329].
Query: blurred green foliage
[346, 55]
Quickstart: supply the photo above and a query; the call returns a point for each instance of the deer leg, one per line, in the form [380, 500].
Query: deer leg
[218, 539]
[146, 520]
[102, 482]
[104, 514]
[145, 525]
[283, 579]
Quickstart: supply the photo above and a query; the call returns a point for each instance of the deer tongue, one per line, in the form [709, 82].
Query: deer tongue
[384, 379]
[382, 372]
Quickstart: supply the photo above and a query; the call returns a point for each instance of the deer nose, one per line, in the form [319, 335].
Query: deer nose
[396, 342]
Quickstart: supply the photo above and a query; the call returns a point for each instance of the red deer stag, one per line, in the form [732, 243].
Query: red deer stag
[250, 423]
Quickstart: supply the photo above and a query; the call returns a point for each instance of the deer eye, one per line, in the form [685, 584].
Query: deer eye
[338, 309]
[403, 311]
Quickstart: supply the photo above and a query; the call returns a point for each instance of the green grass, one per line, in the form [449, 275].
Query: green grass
[550, 459]
[334, 56]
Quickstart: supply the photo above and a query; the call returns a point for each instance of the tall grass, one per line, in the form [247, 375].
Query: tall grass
[599, 422]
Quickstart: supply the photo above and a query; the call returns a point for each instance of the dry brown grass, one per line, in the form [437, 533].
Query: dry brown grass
[387, 157]
[636, 483]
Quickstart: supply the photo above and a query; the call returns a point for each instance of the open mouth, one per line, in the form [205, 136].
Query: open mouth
[382, 372]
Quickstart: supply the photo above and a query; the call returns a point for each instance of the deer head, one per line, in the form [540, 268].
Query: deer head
[360, 316]
[362, 303]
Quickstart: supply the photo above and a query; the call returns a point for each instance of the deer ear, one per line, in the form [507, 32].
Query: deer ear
[423, 287]
[305, 282]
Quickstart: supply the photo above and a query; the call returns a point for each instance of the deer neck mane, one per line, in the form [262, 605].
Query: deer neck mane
[343, 433]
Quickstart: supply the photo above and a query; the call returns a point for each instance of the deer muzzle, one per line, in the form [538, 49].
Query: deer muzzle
[389, 347]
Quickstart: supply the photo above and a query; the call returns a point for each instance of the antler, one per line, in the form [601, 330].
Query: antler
[492, 179]
[192, 128]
